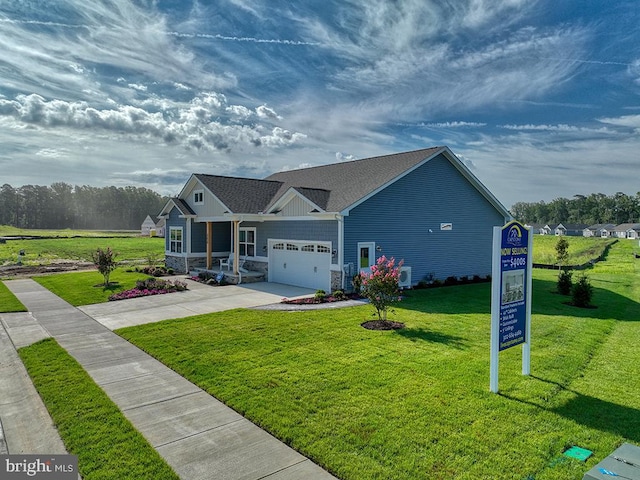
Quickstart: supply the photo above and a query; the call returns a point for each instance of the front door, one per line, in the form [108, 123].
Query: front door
[366, 256]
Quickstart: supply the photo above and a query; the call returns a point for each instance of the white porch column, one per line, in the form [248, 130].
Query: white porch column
[236, 246]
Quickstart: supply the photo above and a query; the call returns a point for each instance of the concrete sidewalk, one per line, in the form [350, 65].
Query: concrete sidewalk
[197, 435]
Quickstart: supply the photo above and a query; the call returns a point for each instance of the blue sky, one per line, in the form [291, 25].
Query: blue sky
[541, 99]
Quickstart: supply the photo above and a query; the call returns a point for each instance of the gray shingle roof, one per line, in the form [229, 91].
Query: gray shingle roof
[183, 206]
[348, 182]
[241, 195]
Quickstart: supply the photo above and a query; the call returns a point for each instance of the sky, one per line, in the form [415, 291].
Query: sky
[540, 99]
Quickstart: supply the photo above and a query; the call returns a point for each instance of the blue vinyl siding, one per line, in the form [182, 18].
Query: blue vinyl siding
[314, 230]
[174, 220]
[198, 237]
[405, 218]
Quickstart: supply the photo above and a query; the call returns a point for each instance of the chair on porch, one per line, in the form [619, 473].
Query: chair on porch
[228, 262]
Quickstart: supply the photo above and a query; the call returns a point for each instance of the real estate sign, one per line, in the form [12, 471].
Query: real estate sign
[511, 294]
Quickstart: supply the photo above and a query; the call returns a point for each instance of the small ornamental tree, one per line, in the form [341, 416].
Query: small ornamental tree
[105, 262]
[562, 251]
[381, 287]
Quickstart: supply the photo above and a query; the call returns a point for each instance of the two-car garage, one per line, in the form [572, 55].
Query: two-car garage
[301, 263]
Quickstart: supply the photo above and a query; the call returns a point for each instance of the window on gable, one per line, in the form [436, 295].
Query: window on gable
[247, 241]
[175, 239]
[198, 197]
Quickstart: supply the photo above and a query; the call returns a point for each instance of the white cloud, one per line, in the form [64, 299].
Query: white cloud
[193, 125]
[632, 121]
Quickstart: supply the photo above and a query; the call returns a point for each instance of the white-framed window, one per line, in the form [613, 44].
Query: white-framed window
[175, 239]
[247, 242]
[198, 197]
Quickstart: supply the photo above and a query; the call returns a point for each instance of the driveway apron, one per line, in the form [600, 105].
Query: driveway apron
[196, 434]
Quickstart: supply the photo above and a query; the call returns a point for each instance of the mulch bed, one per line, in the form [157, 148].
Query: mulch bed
[382, 325]
[325, 299]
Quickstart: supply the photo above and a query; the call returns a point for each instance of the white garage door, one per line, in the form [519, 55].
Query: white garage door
[305, 264]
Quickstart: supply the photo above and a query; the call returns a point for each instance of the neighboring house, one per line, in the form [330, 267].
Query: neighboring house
[573, 229]
[317, 227]
[627, 230]
[147, 226]
[601, 230]
[160, 227]
[536, 228]
[548, 229]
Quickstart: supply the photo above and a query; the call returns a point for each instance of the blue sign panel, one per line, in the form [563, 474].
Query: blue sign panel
[513, 284]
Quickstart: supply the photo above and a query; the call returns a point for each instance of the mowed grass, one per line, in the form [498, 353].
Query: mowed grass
[90, 424]
[9, 231]
[85, 288]
[9, 302]
[415, 403]
[581, 249]
[44, 251]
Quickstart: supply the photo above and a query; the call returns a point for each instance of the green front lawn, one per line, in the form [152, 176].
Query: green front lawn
[9, 302]
[85, 288]
[415, 403]
[90, 424]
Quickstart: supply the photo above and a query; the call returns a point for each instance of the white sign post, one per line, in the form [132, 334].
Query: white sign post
[510, 295]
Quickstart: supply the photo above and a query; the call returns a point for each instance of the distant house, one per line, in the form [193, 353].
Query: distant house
[572, 229]
[317, 227]
[537, 228]
[160, 227]
[147, 226]
[627, 230]
[601, 230]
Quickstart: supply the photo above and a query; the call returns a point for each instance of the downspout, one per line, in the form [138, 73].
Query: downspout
[188, 245]
[340, 220]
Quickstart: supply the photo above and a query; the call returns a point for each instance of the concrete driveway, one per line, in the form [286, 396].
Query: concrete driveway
[197, 300]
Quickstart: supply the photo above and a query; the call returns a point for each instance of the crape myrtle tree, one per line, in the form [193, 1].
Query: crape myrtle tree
[105, 262]
[381, 286]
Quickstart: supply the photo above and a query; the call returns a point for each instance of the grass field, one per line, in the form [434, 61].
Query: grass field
[581, 249]
[9, 231]
[44, 251]
[415, 403]
[90, 424]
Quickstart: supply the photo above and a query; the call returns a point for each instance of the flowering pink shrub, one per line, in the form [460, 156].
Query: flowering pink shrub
[381, 285]
[150, 286]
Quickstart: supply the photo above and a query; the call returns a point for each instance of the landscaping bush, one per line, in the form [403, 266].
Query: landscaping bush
[150, 286]
[451, 281]
[339, 295]
[319, 295]
[564, 282]
[582, 292]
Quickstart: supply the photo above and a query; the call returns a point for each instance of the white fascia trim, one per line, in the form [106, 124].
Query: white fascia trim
[194, 180]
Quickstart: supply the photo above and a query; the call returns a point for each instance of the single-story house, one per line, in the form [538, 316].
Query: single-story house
[627, 230]
[570, 229]
[537, 228]
[147, 226]
[316, 227]
[160, 224]
[602, 230]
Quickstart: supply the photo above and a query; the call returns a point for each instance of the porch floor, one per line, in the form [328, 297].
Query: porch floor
[242, 277]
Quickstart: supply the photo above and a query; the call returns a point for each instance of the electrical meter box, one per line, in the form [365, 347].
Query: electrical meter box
[624, 462]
